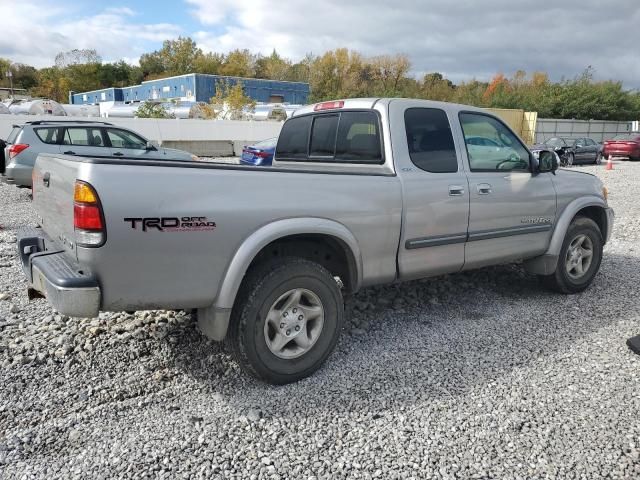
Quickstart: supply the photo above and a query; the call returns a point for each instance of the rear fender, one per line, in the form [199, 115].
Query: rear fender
[214, 320]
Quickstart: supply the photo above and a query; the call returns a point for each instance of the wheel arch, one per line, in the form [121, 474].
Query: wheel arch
[592, 207]
[318, 239]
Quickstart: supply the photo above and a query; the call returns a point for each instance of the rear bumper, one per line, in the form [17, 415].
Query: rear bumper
[69, 289]
[18, 174]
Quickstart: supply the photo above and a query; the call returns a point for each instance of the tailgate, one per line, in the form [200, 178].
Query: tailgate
[54, 178]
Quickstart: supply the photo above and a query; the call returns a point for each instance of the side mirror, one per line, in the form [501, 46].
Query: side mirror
[547, 161]
[150, 146]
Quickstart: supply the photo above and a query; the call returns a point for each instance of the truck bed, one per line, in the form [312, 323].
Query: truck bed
[149, 262]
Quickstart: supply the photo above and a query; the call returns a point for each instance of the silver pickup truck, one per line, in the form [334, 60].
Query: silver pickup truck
[361, 192]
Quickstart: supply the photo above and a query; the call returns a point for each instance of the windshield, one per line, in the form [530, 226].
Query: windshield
[13, 135]
[626, 136]
[555, 142]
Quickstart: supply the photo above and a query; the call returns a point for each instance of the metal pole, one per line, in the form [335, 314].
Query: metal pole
[10, 75]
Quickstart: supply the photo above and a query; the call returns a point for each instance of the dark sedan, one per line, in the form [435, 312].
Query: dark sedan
[573, 150]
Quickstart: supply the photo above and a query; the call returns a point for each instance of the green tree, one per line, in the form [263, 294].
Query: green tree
[238, 63]
[273, 67]
[229, 102]
[53, 84]
[152, 110]
[209, 63]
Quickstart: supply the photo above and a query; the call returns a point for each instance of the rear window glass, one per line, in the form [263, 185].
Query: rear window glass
[627, 136]
[14, 134]
[323, 136]
[268, 143]
[358, 138]
[430, 141]
[346, 137]
[48, 135]
[294, 138]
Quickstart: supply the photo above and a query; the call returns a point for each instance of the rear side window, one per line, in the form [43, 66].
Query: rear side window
[345, 137]
[430, 141]
[294, 138]
[48, 135]
[13, 135]
[91, 137]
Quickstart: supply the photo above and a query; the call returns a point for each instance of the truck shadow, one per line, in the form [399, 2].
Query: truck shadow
[428, 339]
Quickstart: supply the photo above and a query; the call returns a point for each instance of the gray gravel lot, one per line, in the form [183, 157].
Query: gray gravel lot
[474, 375]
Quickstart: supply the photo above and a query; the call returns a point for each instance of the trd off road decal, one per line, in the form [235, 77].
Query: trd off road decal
[171, 224]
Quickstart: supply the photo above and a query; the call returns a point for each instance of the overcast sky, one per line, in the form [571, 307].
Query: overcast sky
[462, 39]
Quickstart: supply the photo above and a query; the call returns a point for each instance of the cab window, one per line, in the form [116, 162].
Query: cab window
[504, 150]
[430, 141]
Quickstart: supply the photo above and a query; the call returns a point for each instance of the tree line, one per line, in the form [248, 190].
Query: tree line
[339, 73]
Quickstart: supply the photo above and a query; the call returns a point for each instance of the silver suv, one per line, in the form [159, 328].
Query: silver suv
[94, 139]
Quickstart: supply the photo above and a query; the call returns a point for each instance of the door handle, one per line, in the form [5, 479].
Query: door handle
[483, 188]
[46, 178]
[69, 152]
[118, 154]
[456, 190]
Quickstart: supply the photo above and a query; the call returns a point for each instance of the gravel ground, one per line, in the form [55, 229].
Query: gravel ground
[475, 375]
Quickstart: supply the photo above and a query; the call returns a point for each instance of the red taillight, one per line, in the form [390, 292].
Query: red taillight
[261, 154]
[16, 148]
[87, 217]
[329, 105]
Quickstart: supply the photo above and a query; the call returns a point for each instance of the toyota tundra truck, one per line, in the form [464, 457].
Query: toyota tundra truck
[361, 192]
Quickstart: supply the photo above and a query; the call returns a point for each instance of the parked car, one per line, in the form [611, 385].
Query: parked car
[623, 145]
[260, 154]
[573, 150]
[82, 138]
[364, 192]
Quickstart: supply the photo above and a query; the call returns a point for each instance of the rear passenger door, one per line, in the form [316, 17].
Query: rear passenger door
[435, 191]
[84, 141]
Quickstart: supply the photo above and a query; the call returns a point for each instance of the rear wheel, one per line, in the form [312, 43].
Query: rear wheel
[579, 258]
[286, 321]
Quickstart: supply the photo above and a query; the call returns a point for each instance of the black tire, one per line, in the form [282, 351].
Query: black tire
[571, 158]
[260, 289]
[560, 281]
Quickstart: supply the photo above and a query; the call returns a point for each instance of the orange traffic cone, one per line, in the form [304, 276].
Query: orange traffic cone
[610, 163]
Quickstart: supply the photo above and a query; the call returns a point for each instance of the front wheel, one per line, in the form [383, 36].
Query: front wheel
[579, 258]
[286, 321]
